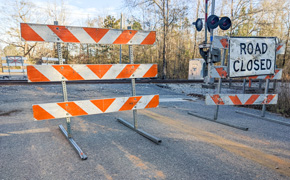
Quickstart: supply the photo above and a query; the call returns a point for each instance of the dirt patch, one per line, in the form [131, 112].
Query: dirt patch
[8, 113]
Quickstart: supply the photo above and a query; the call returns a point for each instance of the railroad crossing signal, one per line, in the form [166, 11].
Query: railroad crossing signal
[198, 24]
[213, 22]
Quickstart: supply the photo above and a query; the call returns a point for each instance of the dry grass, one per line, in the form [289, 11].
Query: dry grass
[283, 105]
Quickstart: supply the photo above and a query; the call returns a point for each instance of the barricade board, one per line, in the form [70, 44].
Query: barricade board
[220, 42]
[240, 99]
[89, 107]
[221, 72]
[87, 35]
[218, 72]
[251, 56]
[281, 48]
[42, 73]
[277, 75]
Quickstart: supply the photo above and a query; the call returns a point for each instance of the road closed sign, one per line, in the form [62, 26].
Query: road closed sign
[252, 56]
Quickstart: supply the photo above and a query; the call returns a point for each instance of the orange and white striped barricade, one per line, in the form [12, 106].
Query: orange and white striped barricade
[240, 99]
[87, 35]
[223, 72]
[78, 72]
[74, 72]
[90, 107]
[220, 42]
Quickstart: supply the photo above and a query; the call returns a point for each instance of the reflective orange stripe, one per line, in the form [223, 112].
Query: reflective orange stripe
[125, 37]
[154, 102]
[130, 103]
[269, 98]
[28, 34]
[63, 33]
[224, 42]
[68, 72]
[40, 114]
[34, 75]
[103, 104]
[152, 72]
[99, 70]
[150, 39]
[279, 47]
[221, 72]
[272, 76]
[128, 71]
[235, 99]
[96, 34]
[252, 99]
[72, 108]
[253, 77]
[217, 100]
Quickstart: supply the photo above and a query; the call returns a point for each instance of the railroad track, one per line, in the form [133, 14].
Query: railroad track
[120, 81]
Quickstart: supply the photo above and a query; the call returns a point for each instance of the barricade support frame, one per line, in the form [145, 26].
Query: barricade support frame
[214, 119]
[135, 121]
[67, 132]
[262, 116]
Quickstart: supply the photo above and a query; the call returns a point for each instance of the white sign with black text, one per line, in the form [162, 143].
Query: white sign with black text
[252, 56]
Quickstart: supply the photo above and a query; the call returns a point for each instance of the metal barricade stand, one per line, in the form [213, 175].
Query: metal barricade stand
[240, 99]
[67, 133]
[263, 112]
[135, 126]
[63, 73]
[214, 119]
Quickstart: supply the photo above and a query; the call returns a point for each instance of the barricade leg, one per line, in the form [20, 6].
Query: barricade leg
[264, 118]
[266, 92]
[73, 143]
[139, 131]
[223, 123]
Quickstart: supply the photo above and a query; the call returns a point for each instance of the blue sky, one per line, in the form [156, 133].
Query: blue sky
[78, 10]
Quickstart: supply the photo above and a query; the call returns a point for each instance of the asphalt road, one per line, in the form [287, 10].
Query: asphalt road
[191, 148]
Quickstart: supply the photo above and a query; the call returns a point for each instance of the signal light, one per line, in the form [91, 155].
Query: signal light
[198, 24]
[212, 21]
[225, 23]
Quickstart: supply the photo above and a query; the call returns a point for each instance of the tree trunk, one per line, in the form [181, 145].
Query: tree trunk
[164, 72]
[286, 44]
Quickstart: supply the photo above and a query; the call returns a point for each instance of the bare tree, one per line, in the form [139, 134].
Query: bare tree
[169, 12]
[14, 13]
